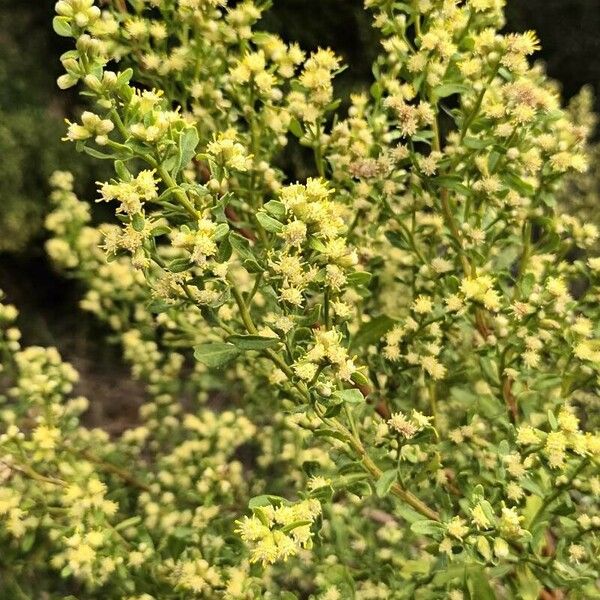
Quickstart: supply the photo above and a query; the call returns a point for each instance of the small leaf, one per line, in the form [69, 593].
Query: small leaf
[124, 77]
[330, 433]
[479, 585]
[360, 378]
[385, 482]
[61, 26]
[269, 223]
[224, 252]
[295, 524]
[333, 410]
[527, 284]
[241, 245]
[449, 89]
[188, 140]
[408, 514]
[138, 222]
[352, 396]
[97, 154]
[376, 91]
[215, 354]
[253, 342]
[264, 500]
[359, 278]
[475, 144]
[373, 331]
[160, 230]
[27, 541]
[221, 231]
[296, 128]
[122, 171]
[397, 239]
[452, 183]
[427, 527]
[276, 208]
[179, 265]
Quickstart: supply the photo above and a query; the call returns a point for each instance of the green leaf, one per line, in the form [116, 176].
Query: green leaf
[124, 77]
[160, 230]
[138, 222]
[475, 143]
[427, 527]
[295, 127]
[518, 184]
[62, 27]
[188, 140]
[360, 378]
[253, 342]
[221, 231]
[359, 278]
[241, 245]
[215, 354]
[479, 585]
[332, 433]
[224, 251]
[276, 208]
[452, 183]
[122, 171]
[373, 331]
[385, 482]
[449, 89]
[408, 514]
[333, 410]
[97, 154]
[27, 541]
[398, 240]
[352, 396]
[264, 500]
[295, 524]
[376, 91]
[269, 223]
[132, 521]
[179, 265]
[527, 284]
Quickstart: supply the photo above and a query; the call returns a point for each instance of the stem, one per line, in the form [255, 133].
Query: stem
[326, 314]
[478, 102]
[353, 440]
[557, 492]
[257, 281]
[525, 255]
[318, 150]
[445, 202]
[178, 192]
[122, 473]
[433, 403]
[453, 227]
[376, 473]
[33, 474]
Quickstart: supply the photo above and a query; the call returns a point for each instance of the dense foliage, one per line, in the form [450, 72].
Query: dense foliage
[378, 382]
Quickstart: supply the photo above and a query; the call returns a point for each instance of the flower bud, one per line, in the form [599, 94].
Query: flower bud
[66, 81]
[501, 549]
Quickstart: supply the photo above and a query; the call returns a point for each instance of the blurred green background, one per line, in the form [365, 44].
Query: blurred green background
[32, 111]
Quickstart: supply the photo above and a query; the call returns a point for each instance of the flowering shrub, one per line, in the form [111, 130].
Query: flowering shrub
[380, 382]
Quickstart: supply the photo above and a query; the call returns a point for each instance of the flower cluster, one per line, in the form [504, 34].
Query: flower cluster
[276, 533]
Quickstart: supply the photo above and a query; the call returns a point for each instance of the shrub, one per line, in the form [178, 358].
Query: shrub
[379, 382]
